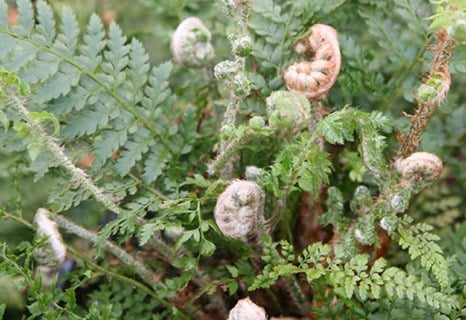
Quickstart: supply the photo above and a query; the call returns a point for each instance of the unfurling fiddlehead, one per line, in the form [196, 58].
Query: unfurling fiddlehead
[420, 167]
[288, 112]
[315, 78]
[431, 92]
[239, 211]
[191, 45]
[245, 309]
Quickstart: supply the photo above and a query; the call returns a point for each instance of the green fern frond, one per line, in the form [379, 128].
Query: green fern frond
[343, 124]
[352, 278]
[299, 164]
[100, 86]
[422, 244]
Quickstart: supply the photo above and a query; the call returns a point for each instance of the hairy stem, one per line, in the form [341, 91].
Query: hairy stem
[240, 15]
[228, 152]
[439, 67]
[76, 174]
[121, 254]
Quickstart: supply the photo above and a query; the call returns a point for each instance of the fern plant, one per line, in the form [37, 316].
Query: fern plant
[139, 165]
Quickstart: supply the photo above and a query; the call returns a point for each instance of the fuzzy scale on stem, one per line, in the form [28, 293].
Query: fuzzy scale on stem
[227, 152]
[238, 83]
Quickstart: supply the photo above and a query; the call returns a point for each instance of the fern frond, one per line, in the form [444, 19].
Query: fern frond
[133, 151]
[99, 85]
[46, 23]
[353, 278]
[343, 124]
[299, 163]
[422, 244]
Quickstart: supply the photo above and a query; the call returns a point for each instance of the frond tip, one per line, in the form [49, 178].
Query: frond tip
[288, 112]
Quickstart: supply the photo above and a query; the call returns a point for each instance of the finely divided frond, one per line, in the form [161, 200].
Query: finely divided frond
[93, 45]
[133, 151]
[116, 60]
[138, 71]
[422, 244]
[341, 125]
[67, 40]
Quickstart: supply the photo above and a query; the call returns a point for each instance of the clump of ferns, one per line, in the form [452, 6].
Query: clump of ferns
[240, 208]
[411, 173]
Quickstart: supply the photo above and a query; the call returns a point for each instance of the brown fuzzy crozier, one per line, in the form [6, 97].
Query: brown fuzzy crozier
[239, 210]
[315, 78]
[420, 165]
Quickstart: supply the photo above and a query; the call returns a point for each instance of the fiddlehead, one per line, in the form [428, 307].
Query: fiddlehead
[315, 78]
[239, 210]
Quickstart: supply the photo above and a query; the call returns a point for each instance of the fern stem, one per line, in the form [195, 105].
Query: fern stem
[18, 219]
[443, 51]
[239, 88]
[229, 151]
[76, 174]
[71, 227]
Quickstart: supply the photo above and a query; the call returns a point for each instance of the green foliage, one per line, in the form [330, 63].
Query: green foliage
[349, 279]
[55, 304]
[298, 163]
[102, 84]
[421, 244]
[127, 302]
[123, 141]
[343, 124]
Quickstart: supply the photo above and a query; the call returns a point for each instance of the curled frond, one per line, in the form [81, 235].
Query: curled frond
[423, 166]
[239, 210]
[190, 44]
[315, 78]
[53, 253]
[288, 112]
[245, 309]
